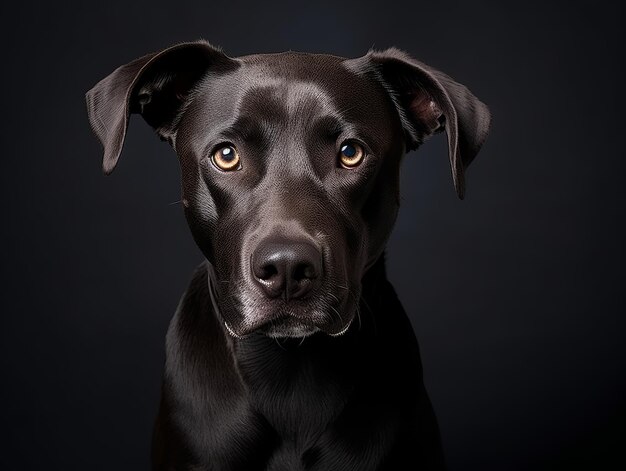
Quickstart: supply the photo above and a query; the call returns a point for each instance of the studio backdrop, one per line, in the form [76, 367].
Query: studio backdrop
[515, 293]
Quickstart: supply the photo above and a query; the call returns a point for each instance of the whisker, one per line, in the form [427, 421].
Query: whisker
[358, 309]
[358, 316]
[282, 347]
[337, 312]
[366, 305]
[335, 298]
[371, 313]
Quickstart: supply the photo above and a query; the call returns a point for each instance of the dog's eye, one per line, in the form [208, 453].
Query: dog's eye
[351, 154]
[226, 158]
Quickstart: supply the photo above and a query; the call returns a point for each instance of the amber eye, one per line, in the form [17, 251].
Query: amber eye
[226, 158]
[351, 154]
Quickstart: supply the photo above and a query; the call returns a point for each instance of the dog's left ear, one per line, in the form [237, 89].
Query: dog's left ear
[428, 102]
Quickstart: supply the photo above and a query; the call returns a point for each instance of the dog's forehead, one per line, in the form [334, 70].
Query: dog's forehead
[306, 82]
[294, 89]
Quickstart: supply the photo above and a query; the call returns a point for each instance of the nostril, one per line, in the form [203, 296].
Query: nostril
[304, 271]
[267, 271]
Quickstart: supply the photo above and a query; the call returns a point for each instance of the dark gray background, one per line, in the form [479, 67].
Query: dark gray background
[516, 293]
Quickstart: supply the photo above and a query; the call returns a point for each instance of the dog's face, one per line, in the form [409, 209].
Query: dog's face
[290, 166]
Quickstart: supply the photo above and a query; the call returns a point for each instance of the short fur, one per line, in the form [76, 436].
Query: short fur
[328, 378]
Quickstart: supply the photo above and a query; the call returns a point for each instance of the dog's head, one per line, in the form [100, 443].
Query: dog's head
[290, 166]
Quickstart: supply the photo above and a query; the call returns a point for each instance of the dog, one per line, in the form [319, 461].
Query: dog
[290, 350]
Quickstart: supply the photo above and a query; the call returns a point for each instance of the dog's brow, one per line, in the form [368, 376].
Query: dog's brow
[248, 128]
[329, 125]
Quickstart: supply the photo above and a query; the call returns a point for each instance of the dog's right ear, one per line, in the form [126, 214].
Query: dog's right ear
[157, 86]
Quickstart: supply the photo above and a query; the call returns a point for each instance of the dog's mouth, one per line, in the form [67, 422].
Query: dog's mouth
[287, 329]
[289, 326]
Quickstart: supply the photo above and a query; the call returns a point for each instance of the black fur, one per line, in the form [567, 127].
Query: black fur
[329, 376]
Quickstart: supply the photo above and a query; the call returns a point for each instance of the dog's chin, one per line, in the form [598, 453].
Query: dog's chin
[289, 328]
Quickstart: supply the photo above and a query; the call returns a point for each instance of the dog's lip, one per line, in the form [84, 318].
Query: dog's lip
[284, 315]
[343, 331]
[295, 322]
[232, 332]
[285, 322]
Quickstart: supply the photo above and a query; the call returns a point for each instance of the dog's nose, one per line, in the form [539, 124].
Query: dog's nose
[287, 268]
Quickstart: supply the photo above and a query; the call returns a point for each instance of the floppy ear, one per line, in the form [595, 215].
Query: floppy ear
[156, 86]
[429, 101]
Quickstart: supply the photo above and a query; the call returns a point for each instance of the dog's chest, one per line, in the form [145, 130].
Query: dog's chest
[299, 391]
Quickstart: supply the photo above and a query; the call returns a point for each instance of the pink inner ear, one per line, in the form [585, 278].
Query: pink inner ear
[426, 112]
